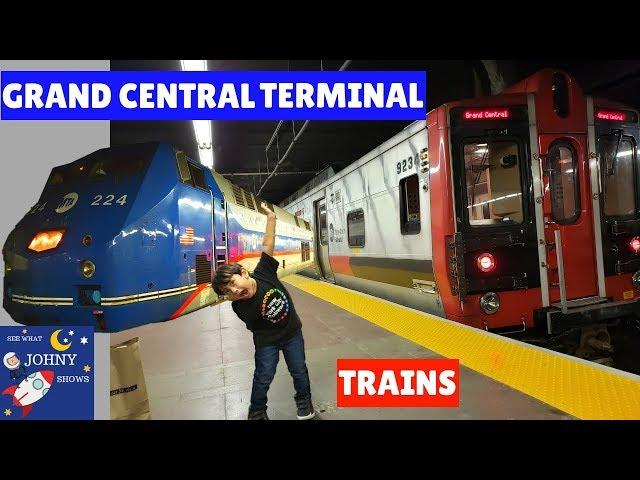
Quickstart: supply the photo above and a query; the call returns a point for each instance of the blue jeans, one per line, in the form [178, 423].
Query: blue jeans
[266, 358]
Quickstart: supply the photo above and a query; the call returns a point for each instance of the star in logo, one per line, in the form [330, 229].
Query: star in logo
[66, 340]
[7, 412]
[24, 331]
[71, 333]
[83, 340]
[87, 368]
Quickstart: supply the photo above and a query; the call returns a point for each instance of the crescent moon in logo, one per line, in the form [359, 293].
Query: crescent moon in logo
[56, 344]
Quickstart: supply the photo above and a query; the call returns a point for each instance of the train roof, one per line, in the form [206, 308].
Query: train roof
[398, 138]
[144, 146]
[233, 193]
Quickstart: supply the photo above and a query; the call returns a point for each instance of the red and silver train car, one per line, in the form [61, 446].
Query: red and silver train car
[507, 212]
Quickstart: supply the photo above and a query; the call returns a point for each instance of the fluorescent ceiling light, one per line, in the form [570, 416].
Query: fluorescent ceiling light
[497, 199]
[202, 128]
[203, 133]
[203, 138]
[194, 65]
[206, 157]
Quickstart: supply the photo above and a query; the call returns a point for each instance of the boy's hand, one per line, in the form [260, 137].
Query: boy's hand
[269, 212]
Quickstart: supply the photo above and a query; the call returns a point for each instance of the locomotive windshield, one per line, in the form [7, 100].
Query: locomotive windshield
[617, 154]
[116, 162]
[494, 188]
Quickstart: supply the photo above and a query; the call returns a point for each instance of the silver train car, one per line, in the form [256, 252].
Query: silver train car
[372, 223]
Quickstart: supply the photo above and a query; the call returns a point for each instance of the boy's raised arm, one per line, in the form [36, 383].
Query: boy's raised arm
[269, 240]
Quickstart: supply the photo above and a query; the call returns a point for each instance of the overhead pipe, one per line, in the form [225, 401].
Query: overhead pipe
[344, 66]
[238, 174]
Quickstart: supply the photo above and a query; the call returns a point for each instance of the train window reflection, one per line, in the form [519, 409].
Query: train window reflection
[355, 228]
[563, 183]
[115, 162]
[494, 188]
[197, 175]
[617, 154]
[322, 223]
[409, 205]
[183, 168]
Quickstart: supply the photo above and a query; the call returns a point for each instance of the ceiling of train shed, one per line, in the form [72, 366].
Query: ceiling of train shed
[239, 146]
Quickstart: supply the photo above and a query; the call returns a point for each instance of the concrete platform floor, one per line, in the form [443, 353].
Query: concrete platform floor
[200, 366]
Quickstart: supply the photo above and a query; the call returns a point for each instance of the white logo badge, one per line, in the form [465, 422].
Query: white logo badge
[68, 202]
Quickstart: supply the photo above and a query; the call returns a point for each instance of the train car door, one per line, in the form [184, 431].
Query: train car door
[614, 136]
[568, 219]
[322, 239]
[220, 221]
[194, 224]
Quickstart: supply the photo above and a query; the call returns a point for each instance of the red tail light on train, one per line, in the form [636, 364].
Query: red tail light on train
[487, 263]
[635, 244]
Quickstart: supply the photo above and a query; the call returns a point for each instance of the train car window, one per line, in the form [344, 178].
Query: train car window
[197, 174]
[355, 228]
[563, 183]
[116, 162]
[56, 177]
[183, 168]
[306, 225]
[617, 155]
[409, 205]
[322, 223]
[305, 250]
[494, 188]
[117, 166]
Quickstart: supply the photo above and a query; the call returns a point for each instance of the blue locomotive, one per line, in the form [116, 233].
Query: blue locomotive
[131, 235]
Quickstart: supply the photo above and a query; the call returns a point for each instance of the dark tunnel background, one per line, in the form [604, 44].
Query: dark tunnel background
[239, 146]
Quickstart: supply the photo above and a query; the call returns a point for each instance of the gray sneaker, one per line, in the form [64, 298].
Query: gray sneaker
[305, 410]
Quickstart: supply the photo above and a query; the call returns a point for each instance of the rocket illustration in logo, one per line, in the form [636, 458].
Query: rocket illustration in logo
[30, 390]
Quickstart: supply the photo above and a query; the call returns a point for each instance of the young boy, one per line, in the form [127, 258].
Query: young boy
[265, 306]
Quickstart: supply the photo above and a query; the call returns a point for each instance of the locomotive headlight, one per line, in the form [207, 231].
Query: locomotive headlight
[7, 268]
[635, 279]
[87, 268]
[490, 303]
[46, 240]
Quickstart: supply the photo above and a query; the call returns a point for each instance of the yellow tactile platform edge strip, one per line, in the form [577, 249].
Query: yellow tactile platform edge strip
[581, 389]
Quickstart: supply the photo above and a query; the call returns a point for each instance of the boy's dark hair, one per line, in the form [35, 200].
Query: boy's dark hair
[224, 274]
